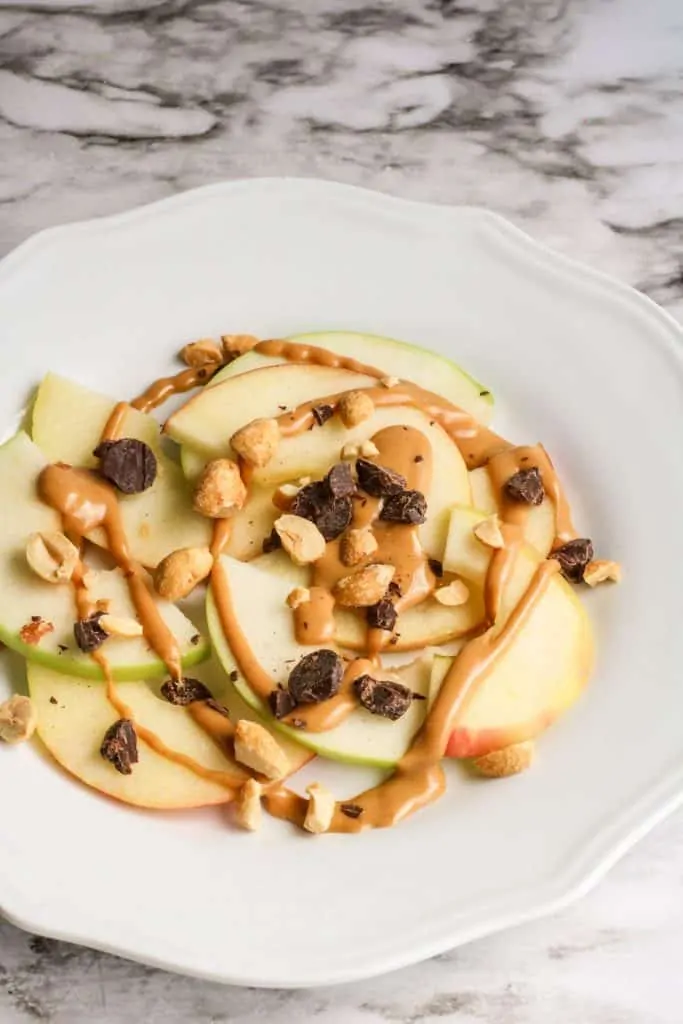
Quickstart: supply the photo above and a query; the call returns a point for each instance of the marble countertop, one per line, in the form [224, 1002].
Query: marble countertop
[564, 115]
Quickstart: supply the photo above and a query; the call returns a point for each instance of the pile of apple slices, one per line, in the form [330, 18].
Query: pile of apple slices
[539, 674]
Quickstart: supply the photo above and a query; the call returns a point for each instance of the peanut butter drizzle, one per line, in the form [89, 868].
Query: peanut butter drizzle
[225, 779]
[162, 389]
[419, 777]
[114, 425]
[295, 352]
[84, 503]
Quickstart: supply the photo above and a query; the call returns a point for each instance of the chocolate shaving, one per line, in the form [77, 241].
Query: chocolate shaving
[378, 481]
[383, 697]
[89, 633]
[53, 700]
[120, 746]
[233, 676]
[129, 464]
[408, 507]
[340, 482]
[573, 557]
[394, 589]
[195, 638]
[436, 566]
[382, 615]
[419, 458]
[351, 810]
[316, 677]
[280, 703]
[525, 486]
[322, 413]
[185, 691]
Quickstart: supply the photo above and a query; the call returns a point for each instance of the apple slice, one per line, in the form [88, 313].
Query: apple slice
[409, 362]
[539, 525]
[541, 671]
[67, 423]
[24, 595]
[426, 625]
[73, 716]
[208, 421]
[265, 621]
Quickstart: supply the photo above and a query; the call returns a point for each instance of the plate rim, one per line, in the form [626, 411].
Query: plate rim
[620, 832]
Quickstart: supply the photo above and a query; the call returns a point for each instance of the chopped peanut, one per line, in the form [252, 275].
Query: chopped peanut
[235, 345]
[320, 811]
[389, 382]
[201, 353]
[257, 749]
[248, 812]
[350, 452]
[284, 496]
[357, 545]
[298, 596]
[600, 571]
[52, 556]
[301, 539]
[18, 719]
[488, 531]
[355, 407]
[220, 490]
[368, 449]
[116, 625]
[453, 594]
[508, 761]
[257, 442]
[365, 587]
[180, 572]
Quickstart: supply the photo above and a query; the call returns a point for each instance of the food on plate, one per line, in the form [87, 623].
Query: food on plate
[388, 581]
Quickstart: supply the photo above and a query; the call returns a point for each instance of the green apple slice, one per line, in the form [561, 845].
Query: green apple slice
[397, 358]
[208, 420]
[67, 423]
[265, 620]
[73, 716]
[426, 625]
[25, 595]
[542, 669]
[539, 524]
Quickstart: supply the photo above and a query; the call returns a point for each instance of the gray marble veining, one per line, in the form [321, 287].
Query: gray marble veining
[564, 115]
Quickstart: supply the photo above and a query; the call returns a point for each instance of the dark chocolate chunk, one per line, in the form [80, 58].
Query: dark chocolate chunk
[383, 697]
[233, 676]
[408, 507]
[340, 482]
[329, 513]
[215, 706]
[322, 413]
[185, 691]
[382, 615]
[525, 486]
[316, 677]
[280, 703]
[436, 566]
[378, 481]
[573, 557]
[120, 746]
[272, 542]
[418, 696]
[351, 810]
[333, 517]
[89, 634]
[128, 464]
[394, 589]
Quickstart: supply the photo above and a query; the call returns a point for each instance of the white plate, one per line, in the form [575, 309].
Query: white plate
[577, 360]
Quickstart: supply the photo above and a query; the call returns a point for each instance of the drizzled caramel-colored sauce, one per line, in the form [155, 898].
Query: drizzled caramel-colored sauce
[84, 503]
